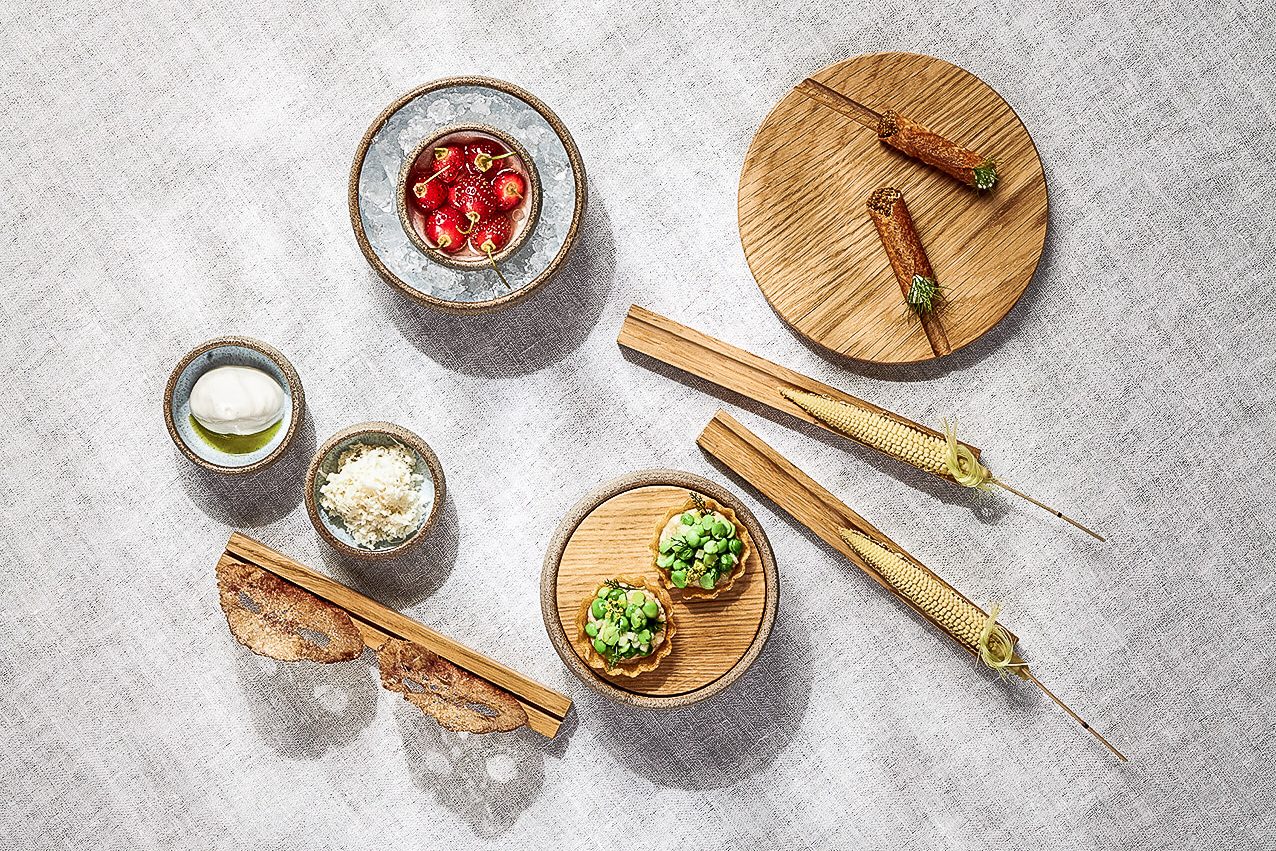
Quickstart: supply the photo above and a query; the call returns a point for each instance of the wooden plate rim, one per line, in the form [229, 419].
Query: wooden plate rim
[1045, 234]
[567, 528]
[555, 265]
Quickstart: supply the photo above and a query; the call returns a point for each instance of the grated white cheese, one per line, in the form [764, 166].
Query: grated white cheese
[374, 493]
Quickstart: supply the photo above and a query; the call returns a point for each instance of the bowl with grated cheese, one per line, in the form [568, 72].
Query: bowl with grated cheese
[373, 490]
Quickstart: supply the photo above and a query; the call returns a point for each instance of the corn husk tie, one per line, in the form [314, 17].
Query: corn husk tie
[996, 650]
[963, 466]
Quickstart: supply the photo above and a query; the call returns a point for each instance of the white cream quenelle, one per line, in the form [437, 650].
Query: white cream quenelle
[236, 400]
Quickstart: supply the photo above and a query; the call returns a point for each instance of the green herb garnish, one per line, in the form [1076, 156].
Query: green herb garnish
[922, 294]
[986, 175]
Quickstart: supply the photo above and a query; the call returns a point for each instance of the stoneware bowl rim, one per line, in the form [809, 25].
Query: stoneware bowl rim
[402, 435]
[470, 308]
[296, 392]
[533, 200]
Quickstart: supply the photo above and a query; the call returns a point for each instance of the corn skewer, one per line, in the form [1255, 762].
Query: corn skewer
[947, 457]
[963, 621]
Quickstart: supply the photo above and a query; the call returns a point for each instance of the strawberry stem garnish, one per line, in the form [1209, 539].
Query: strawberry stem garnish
[487, 246]
[484, 161]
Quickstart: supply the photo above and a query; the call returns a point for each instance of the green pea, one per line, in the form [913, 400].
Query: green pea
[692, 539]
[637, 597]
[600, 645]
[622, 623]
[710, 560]
[720, 530]
[730, 530]
[597, 608]
[603, 592]
[727, 561]
[711, 546]
[736, 546]
[679, 578]
[645, 649]
[686, 553]
[591, 629]
[608, 635]
[650, 609]
[638, 621]
[664, 560]
[708, 580]
[666, 545]
[618, 594]
[687, 518]
[681, 565]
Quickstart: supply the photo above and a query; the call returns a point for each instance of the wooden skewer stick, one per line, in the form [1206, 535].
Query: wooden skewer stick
[1056, 512]
[1027, 673]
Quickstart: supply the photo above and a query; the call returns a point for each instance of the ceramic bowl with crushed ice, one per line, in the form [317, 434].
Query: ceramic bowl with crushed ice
[467, 194]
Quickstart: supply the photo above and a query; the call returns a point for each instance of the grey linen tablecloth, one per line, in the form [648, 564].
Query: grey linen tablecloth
[178, 171]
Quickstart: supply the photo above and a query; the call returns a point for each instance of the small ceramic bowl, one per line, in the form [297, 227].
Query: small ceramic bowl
[427, 465]
[231, 351]
[523, 216]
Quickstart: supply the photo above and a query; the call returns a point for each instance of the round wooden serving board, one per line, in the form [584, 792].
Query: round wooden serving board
[812, 247]
[609, 533]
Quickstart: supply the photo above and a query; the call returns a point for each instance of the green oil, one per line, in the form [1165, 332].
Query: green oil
[236, 444]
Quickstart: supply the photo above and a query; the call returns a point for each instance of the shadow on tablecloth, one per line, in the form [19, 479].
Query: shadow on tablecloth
[488, 781]
[532, 334]
[723, 740]
[256, 499]
[301, 710]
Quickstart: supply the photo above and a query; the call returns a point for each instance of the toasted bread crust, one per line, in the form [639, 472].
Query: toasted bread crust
[889, 212]
[449, 693]
[282, 611]
[907, 136]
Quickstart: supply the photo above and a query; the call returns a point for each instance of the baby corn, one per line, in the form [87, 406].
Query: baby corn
[946, 456]
[964, 622]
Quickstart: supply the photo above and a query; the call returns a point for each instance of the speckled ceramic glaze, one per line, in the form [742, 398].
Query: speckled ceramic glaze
[231, 351]
[378, 434]
[433, 109]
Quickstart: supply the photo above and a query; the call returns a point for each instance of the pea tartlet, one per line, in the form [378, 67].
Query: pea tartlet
[700, 548]
[626, 627]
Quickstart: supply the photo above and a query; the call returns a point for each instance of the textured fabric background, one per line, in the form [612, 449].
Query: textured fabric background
[177, 171]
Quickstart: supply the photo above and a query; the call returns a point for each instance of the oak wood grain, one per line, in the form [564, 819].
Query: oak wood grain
[813, 250]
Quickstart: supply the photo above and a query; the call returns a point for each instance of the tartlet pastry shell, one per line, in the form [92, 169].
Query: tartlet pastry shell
[584, 645]
[695, 591]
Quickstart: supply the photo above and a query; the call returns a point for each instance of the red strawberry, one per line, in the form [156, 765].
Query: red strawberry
[448, 162]
[481, 155]
[443, 228]
[510, 188]
[492, 235]
[428, 193]
[474, 197]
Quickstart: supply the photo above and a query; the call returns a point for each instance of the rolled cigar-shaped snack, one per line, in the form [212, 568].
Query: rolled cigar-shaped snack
[908, 260]
[906, 135]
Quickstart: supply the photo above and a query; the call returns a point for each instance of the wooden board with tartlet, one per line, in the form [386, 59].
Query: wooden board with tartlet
[693, 641]
[818, 158]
